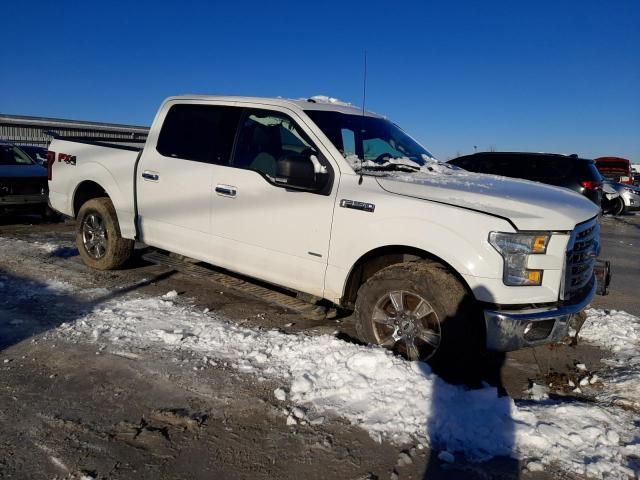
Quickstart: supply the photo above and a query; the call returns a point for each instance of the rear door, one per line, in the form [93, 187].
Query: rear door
[175, 176]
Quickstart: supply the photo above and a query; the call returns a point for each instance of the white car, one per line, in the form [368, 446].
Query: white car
[318, 197]
[628, 199]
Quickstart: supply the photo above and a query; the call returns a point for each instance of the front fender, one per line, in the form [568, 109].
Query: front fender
[454, 235]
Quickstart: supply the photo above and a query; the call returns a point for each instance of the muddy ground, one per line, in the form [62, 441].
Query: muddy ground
[69, 410]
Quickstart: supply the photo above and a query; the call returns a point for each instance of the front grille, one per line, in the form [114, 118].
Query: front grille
[23, 186]
[582, 251]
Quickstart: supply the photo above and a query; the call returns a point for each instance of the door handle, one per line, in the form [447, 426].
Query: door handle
[226, 190]
[148, 175]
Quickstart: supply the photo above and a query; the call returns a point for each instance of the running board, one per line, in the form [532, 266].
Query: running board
[307, 310]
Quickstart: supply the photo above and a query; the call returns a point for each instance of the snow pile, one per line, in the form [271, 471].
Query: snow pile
[48, 247]
[15, 245]
[327, 99]
[387, 396]
[391, 398]
[618, 332]
[441, 174]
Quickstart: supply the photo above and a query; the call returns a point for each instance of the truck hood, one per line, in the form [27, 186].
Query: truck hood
[528, 205]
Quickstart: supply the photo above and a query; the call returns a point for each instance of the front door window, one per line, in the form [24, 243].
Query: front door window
[264, 138]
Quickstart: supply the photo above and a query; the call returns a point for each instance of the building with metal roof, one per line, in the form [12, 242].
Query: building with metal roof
[25, 130]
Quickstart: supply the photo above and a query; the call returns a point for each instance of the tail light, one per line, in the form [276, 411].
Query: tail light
[51, 157]
[590, 184]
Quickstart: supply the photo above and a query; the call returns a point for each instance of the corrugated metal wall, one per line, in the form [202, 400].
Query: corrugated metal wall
[37, 130]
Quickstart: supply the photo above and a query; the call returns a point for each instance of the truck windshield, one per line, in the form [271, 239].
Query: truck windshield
[371, 143]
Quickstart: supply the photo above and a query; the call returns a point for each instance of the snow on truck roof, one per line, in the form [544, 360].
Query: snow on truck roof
[316, 102]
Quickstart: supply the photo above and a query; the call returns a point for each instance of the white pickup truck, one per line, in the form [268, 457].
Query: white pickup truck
[322, 198]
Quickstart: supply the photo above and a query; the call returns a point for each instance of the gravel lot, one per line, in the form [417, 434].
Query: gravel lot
[71, 408]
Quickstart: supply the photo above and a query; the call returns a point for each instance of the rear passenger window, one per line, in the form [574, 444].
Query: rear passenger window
[203, 133]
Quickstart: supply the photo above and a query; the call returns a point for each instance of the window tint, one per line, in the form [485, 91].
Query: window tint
[267, 136]
[589, 171]
[348, 142]
[482, 164]
[552, 170]
[463, 162]
[203, 133]
[10, 155]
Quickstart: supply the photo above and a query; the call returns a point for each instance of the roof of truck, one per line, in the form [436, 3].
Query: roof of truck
[317, 102]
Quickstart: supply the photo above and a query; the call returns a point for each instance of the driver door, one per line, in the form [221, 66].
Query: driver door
[260, 227]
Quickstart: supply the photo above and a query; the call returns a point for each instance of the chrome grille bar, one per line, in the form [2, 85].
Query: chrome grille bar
[582, 251]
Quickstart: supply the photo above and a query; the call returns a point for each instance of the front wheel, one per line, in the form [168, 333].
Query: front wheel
[98, 236]
[613, 207]
[421, 311]
[618, 207]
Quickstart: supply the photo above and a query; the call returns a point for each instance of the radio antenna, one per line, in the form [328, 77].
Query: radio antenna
[364, 99]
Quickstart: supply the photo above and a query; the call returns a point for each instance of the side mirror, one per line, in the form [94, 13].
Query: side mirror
[301, 171]
[318, 168]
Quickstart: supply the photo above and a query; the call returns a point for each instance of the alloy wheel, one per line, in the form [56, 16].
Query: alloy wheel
[94, 236]
[406, 322]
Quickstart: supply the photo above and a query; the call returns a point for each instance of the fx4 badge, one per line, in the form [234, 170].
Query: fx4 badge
[68, 159]
[365, 207]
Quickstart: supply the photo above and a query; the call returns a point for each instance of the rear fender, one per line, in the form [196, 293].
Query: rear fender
[123, 202]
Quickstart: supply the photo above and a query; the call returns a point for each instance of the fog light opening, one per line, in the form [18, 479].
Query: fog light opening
[534, 331]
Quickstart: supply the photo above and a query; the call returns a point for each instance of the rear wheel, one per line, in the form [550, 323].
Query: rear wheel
[98, 236]
[421, 311]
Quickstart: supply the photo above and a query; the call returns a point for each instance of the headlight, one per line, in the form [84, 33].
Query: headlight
[515, 249]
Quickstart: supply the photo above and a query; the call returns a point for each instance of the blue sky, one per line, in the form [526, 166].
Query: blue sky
[561, 76]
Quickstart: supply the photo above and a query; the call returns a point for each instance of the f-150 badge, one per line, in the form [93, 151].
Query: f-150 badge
[365, 207]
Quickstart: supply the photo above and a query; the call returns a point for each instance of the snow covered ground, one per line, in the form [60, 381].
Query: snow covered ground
[619, 333]
[387, 396]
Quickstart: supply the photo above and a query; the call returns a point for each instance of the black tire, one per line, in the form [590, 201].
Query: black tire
[618, 207]
[462, 332]
[114, 250]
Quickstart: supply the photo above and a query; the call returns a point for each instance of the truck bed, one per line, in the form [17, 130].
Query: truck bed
[79, 165]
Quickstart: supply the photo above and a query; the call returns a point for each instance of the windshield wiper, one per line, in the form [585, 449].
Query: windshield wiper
[389, 167]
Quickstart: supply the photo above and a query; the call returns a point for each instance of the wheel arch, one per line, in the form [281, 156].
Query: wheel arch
[85, 191]
[381, 257]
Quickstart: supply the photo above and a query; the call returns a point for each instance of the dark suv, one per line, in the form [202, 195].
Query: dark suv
[569, 171]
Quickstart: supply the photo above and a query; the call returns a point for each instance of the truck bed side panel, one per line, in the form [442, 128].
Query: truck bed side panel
[110, 168]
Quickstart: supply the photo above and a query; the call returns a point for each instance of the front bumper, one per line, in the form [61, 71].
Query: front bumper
[631, 200]
[513, 330]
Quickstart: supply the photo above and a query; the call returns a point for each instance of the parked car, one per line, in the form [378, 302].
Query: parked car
[628, 199]
[635, 170]
[23, 183]
[38, 154]
[616, 169]
[569, 171]
[611, 200]
[321, 198]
